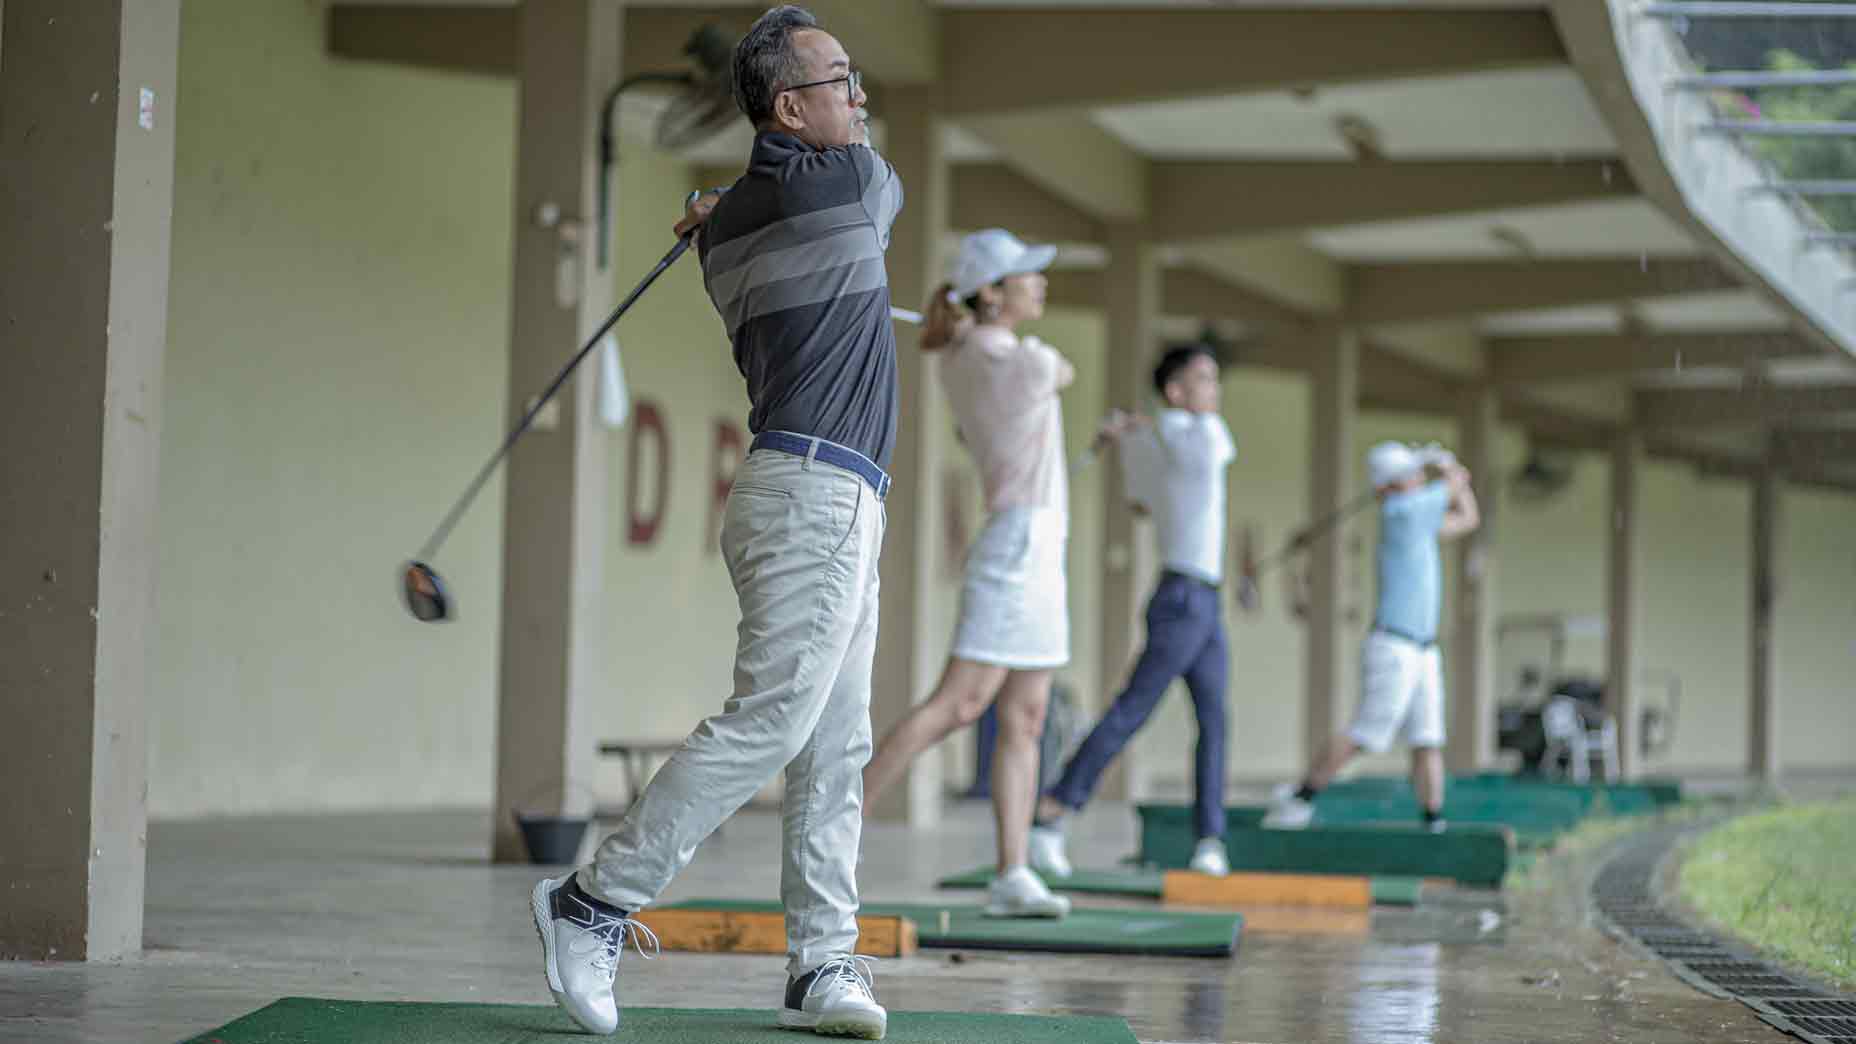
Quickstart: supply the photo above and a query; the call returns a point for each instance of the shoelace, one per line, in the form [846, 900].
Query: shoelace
[853, 973]
[609, 934]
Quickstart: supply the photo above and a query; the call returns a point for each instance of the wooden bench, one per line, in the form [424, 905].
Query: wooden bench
[636, 755]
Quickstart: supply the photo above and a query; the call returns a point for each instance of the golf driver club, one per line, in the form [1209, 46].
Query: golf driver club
[1248, 595]
[427, 596]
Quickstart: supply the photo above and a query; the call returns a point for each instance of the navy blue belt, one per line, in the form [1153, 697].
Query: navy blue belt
[830, 452]
[1422, 643]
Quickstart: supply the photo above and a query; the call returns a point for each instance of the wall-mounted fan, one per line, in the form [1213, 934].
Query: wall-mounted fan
[1542, 475]
[701, 109]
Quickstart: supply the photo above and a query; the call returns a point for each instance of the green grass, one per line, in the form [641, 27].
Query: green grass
[1785, 881]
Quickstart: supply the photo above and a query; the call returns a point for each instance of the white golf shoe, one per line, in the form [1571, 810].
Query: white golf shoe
[1288, 812]
[1209, 858]
[1020, 893]
[581, 942]
[835, 1000]
[1046, 851]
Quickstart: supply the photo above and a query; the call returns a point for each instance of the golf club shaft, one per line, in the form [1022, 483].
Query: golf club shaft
[437, 539]
[1316, 528]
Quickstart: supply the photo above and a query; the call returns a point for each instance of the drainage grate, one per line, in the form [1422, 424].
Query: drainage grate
[1622, 891]
[1818, 1008]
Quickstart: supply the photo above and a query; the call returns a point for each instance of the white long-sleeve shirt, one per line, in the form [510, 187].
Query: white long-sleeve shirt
[1176, 468]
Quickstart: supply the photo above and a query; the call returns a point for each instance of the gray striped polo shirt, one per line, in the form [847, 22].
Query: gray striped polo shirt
[793, 259]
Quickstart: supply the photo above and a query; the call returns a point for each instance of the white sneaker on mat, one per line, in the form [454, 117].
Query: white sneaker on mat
[1288, 812]
[1020, 893]
[581, 943]
[836, 999]
[1209, 858]
[1046, 850]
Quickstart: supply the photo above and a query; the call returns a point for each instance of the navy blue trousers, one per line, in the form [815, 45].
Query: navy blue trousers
[1185, 638]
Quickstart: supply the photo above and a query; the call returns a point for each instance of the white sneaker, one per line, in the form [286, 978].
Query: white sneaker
[835, 1000]
[1046, 850]
[1020, 893]
[580, 946]
[1209, 858]
[1288, 812]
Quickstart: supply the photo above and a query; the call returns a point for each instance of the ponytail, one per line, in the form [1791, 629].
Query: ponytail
[945, 320]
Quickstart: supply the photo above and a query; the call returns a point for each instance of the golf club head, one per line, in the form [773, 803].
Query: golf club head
[426, 597]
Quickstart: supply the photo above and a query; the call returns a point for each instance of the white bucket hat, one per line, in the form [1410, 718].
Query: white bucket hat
[989, 256]
[1388, 462]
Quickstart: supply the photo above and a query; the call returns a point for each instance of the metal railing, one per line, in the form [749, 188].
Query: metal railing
[1782, 128]
[1760, 81]
[1806, 188]
[1726, 9]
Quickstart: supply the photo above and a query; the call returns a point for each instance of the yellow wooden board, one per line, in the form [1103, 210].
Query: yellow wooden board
[1308, 920]
[731, 931]
[1185, 888]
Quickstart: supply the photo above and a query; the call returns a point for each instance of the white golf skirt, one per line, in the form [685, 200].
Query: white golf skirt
[1014, 603]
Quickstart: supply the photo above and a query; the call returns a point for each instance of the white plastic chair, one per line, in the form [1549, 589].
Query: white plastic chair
[1568, 735]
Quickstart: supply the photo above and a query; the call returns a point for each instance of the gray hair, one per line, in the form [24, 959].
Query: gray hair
[765, 60]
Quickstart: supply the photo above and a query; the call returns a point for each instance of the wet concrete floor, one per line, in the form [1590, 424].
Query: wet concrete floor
[403, 907]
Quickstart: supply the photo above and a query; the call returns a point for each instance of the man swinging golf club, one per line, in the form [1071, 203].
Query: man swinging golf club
[1424, 498]
[792, 258]
[1178, 464]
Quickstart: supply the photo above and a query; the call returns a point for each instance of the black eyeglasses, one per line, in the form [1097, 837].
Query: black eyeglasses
[852, 81]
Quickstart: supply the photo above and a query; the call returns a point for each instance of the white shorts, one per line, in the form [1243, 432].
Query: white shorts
[1014, 605]
[1401, 687]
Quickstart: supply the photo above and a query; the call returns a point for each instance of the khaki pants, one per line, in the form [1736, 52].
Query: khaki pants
[801, 540]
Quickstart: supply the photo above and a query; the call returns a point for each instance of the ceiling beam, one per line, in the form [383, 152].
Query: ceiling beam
[1070, 156]
[461, 38]
[1390, 380]
[1556, 426]
[1204, 295]
[1015, 59]
[1816, 445]
[993, 195]
[1390, 293]
[899, 46]
[1754, 405]
[1212, 200]
[1521, 360]
[898, 42]
[1284, 267]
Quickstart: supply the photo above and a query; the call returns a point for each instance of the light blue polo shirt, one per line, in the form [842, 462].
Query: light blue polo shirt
[1410, 565]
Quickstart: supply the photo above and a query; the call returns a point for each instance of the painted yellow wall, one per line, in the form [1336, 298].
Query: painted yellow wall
[334, 373]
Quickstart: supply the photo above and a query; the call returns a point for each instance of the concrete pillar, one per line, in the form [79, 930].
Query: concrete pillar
[910, 652]
[1472, 697]
[1623, 564]
[86, 194]
[1130, 564]
[1762, 753]
[554, 504]
[1335, 375]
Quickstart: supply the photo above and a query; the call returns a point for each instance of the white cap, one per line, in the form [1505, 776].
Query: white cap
[1389, 462]
[989, 256]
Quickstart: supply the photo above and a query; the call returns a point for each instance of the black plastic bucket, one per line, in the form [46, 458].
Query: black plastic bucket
[552, 840]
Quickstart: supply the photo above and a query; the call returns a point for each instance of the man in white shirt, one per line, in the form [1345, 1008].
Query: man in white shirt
[1175, 469]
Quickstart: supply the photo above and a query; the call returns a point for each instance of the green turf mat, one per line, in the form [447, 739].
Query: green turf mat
[1154, 932]
[1644, 795]
[1397, 891]
[1136, 881]
[1538, 817]
[1149, 884]
[1473, 854]
[306, 1020]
